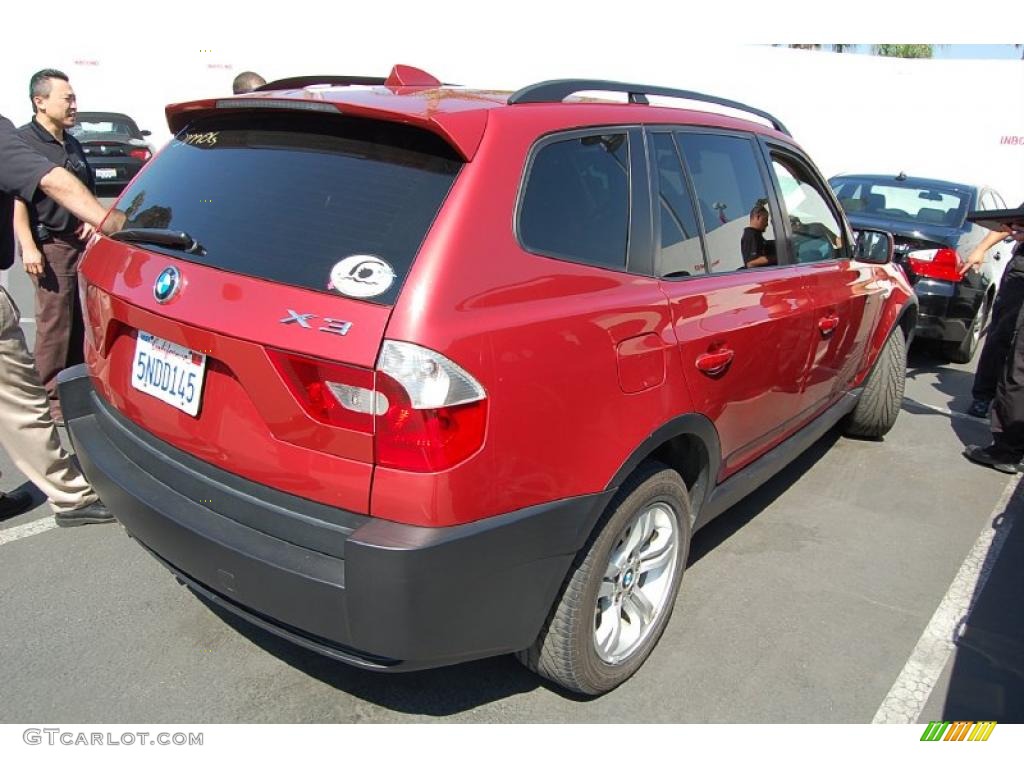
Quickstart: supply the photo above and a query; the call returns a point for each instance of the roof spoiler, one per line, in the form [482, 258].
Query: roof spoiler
[401, 76]
[463, 130]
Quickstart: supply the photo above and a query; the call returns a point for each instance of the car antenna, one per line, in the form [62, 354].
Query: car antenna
[901, 176]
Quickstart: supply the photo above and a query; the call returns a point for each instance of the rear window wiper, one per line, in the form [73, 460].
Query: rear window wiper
[168, 238]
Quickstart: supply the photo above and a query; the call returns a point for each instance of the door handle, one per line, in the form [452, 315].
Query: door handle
[715, 363]
[828, 324]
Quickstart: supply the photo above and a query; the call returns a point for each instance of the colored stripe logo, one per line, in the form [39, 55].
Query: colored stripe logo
[961, 730]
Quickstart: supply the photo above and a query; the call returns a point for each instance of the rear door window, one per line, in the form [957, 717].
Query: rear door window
[733, 200]
[681, 253]
[333, 204]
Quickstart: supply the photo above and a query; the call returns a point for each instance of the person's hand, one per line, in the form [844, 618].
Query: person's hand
[85, 231]
[33, 261]
[974, 261]
[114, 222]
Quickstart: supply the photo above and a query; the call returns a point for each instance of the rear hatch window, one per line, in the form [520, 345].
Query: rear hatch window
[334, 204]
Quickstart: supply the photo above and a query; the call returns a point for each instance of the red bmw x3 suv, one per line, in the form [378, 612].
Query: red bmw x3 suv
[413, 374]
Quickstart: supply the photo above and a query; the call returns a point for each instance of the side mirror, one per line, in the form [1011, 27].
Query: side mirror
[146, 133]
[873, 246]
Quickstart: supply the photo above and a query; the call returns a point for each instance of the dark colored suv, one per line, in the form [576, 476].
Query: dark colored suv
[412, 374]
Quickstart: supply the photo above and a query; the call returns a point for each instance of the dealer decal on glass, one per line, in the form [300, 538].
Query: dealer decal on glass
[362, 276]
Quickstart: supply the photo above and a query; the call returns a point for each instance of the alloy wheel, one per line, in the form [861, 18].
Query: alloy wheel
[637, 583]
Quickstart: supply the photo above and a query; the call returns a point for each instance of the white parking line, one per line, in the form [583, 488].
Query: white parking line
[28, 529]
[913, 687]
[945, 411]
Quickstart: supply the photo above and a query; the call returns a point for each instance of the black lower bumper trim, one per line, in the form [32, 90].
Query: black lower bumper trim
[321, 645]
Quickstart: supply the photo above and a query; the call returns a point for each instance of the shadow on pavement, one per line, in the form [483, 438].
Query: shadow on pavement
[988, 669]
[435, 692]
[733, 519]
[955, 383]
[450, 690]
[969, 430]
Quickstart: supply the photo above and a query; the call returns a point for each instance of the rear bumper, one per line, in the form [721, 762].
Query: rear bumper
[369, 592]
[125, 169]
[945, 311]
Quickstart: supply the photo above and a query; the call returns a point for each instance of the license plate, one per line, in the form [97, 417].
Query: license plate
[169, 372]
[106, 173]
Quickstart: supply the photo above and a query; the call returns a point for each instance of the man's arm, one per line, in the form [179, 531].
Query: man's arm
[978, 254]
[31, 256]
[23, 170]
[66, 189]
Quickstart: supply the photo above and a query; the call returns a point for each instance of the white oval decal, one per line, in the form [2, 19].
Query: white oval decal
[362, 276]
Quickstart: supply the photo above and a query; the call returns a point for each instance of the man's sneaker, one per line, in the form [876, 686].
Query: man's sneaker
[92, 513]
[979, 409]
[12, 504]
[992, 458]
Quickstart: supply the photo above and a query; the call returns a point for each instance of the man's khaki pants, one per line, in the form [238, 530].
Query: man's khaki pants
[27, 432]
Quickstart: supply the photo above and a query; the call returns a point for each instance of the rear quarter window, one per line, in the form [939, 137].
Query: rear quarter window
[575, 203]
[288, 198]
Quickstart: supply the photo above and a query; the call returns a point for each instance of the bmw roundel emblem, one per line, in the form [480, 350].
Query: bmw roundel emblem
[167, 284]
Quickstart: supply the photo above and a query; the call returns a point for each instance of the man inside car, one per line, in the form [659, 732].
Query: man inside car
[757, 251]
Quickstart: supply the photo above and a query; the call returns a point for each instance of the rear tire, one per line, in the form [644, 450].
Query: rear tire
[880, 402]
[620, 591]
[964, 351]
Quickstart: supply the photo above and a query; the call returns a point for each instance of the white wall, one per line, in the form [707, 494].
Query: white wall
[853, 113]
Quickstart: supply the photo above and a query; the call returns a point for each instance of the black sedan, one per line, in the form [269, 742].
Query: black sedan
[115, 147]
[933, 239]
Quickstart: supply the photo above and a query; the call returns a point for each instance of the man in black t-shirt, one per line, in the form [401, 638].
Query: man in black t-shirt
[756, 251]
[51, 237]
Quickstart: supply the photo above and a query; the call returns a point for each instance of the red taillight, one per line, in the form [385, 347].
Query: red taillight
[139, 154]
[311, 380]
[940, 263]
[426, 439]
[95, 306]
[425, 412]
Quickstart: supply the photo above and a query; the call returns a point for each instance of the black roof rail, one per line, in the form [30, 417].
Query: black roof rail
[555, 91]
[290, 83]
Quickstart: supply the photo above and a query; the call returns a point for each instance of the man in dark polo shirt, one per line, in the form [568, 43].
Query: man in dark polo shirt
[757, 252]
[27, 432]
[51, 237]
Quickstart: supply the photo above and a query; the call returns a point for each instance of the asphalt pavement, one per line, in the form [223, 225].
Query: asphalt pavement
[804, 603]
